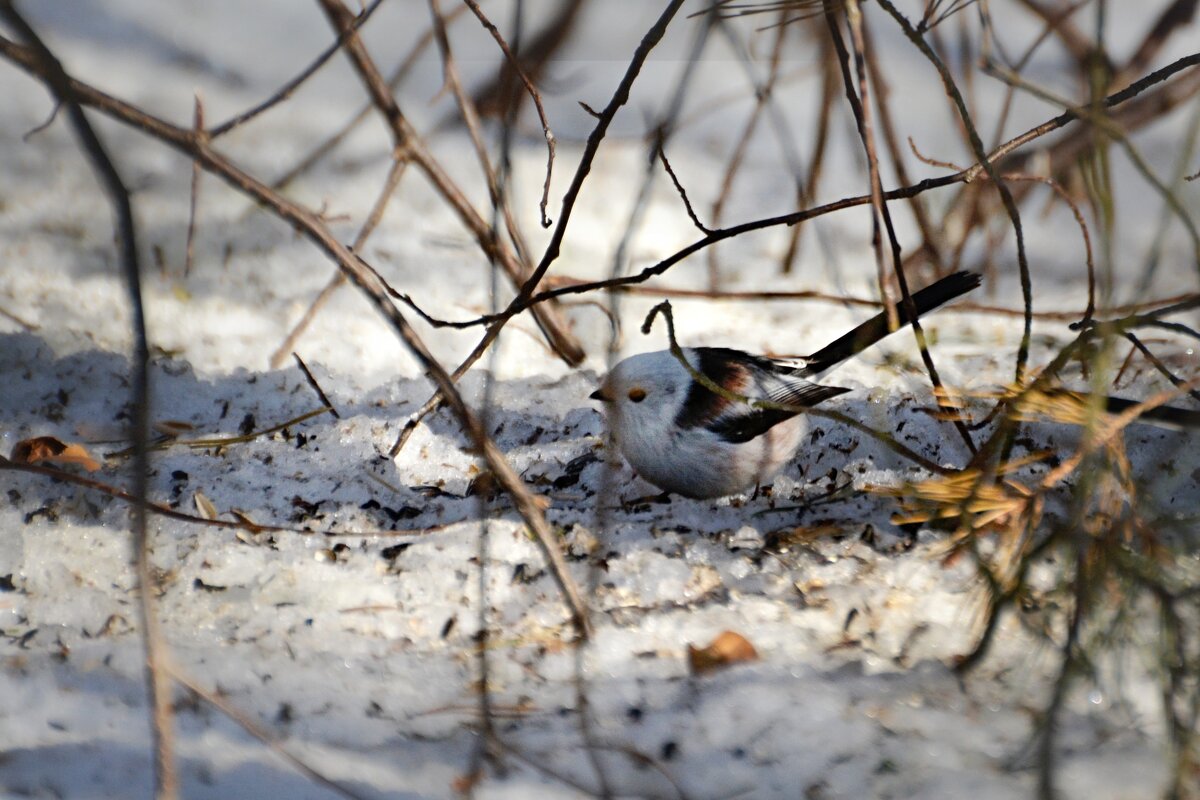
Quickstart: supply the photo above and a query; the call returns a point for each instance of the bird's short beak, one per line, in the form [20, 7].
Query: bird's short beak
[600, 395]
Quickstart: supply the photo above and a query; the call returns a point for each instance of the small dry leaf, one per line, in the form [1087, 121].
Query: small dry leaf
[48, 448]
[244, 518]
[800, 534]
[205, 507]
[463, 784]
[173, 427]
[727, 649]
[245, 537]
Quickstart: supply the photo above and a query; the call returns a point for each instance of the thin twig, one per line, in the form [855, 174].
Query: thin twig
[246, 723]
[289, 88]
[194, 196]
[985, 162]
[397, 77]
[1102, 123]
[165, 511]
[316, 387]
[470, 114]
[687, 204]
[931, 239]
[659, 290]
[515, 64]
[1089, 261]
[395, 173]
[166, 780]
[29, 326]
[860, 105]
[1160, 366]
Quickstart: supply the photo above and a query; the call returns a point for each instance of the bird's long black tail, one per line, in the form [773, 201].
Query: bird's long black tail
[876, 328]
[1165, 416]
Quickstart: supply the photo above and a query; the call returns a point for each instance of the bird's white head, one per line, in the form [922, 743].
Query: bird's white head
[643, 394]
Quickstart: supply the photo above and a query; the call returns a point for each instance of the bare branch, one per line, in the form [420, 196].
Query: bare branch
[50, 71]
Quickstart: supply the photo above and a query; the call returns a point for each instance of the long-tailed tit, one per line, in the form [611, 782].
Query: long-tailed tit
[686, 439]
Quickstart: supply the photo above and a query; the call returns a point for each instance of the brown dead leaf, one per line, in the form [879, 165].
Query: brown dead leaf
[244, 518]
[464, 784]
[727, 649]
[205, 507]
[173, 428]
[48, 448]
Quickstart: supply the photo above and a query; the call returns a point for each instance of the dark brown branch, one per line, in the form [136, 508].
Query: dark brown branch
[470, 114]
[503, 94]
[931, 239]
[316, 387]
[397, 77]
[964, 305]
[968, 175]
[47, 67]
[687, 204]
[1089, 261]
[1161, 367]
[863, 116]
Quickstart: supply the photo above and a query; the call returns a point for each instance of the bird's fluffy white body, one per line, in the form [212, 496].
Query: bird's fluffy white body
[694, 460]
[687, 439]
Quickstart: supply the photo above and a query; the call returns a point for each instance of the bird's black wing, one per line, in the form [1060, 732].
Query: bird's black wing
[753, 376]
[725, 367]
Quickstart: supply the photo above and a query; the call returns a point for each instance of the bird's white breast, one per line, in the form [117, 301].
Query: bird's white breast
[696, 463]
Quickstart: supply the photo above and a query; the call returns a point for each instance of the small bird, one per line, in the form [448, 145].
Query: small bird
[686, 439]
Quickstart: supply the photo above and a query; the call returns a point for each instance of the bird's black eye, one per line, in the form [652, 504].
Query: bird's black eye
[637, 394]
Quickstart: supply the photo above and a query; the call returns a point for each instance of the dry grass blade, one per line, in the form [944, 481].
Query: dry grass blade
[790, 10]
[225, 441]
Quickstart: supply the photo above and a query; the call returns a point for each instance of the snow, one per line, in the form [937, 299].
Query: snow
[356, 648]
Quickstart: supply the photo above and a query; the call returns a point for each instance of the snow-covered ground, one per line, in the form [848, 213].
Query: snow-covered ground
[358, 652]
